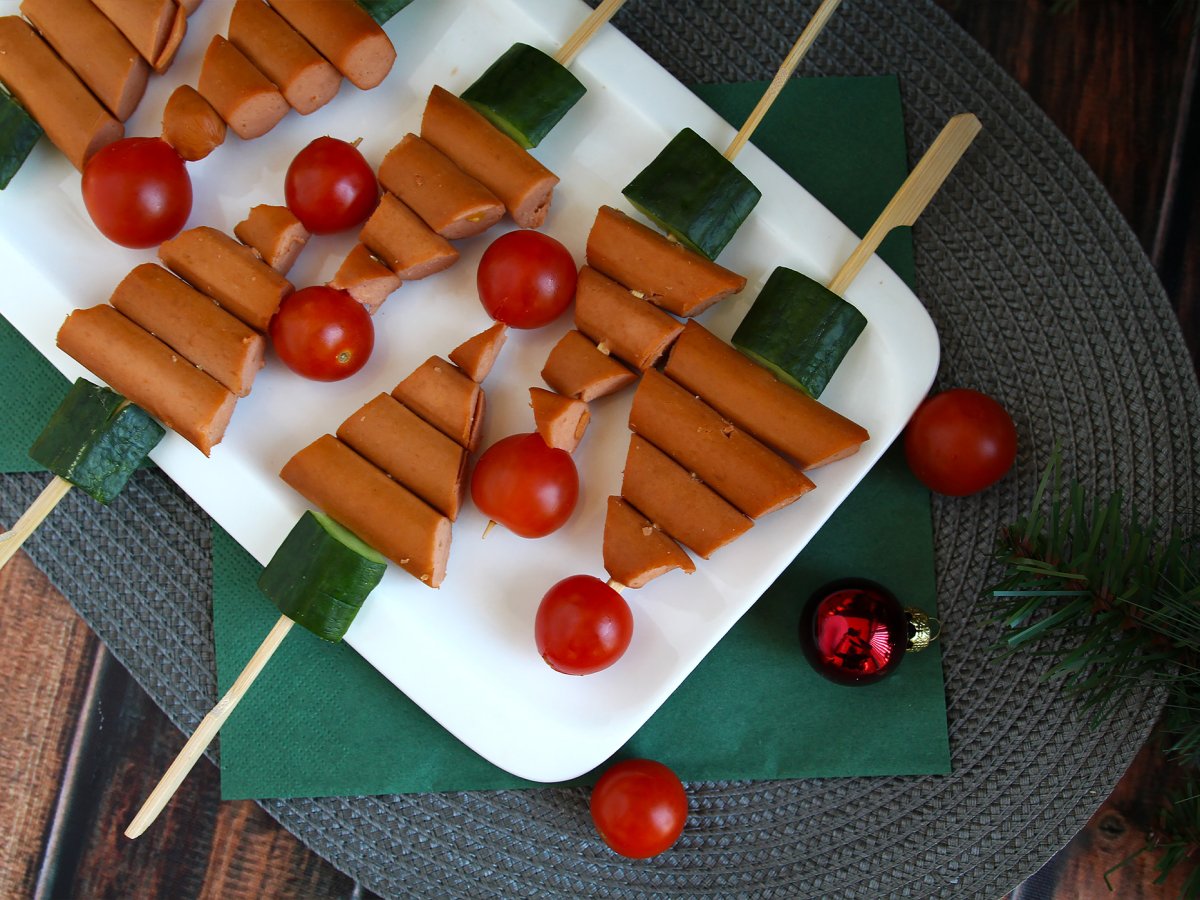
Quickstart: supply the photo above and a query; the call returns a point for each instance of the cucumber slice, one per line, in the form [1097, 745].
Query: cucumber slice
[382, 10]
[95, 440]
[320, 575]
[524, 93]
[694, 194]
[799, 329]
[18, 133]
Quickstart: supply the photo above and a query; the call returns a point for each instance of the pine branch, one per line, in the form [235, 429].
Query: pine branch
[1115, 606]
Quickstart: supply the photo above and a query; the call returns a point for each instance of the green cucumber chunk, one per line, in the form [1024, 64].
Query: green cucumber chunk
[799, 329]
[382, 10]
[96, 439]
[18, 133]
[320, 575]
[694, 194]
[524, 93]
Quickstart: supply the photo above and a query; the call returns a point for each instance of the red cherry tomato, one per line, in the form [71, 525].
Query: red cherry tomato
[525, 485]
[582, 626]
[330, 187]
[137, 191]
[526, 279]
[959, 442]
[639, 807]
[322, 333]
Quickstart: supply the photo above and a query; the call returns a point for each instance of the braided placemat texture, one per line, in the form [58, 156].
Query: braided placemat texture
[1043, 299]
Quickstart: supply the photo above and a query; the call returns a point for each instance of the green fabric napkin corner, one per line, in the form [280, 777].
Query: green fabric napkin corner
[752, 709]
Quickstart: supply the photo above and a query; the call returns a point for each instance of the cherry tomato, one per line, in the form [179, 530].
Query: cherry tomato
[639, 807]
[525, 485]
[322, 333]
[138, 192]
[959, 442]
[582, 626]
[330, 187]
[526, 279]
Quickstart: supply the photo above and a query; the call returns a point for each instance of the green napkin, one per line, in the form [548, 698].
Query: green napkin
[752, 709]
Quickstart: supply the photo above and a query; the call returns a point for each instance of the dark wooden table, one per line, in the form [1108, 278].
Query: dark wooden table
[81, 745]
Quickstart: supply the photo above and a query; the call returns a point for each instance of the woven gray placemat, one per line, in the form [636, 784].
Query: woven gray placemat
[1043, 299]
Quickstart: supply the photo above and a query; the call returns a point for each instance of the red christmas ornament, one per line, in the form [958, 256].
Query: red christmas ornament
[855, 631]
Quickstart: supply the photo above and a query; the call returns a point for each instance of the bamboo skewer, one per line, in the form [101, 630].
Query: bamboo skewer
[914, 195]
[11, 540]
[823, 14]
[584, 33]
[207, 730]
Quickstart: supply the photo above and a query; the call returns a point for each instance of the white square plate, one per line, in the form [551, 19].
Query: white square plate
[465, 652]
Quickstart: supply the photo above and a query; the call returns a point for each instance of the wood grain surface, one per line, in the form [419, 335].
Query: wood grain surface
[81, 744]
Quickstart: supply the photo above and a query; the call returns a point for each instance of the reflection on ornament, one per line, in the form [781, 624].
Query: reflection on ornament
[855, 631]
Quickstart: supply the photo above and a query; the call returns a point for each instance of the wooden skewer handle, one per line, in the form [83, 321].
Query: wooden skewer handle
[570, 49]
[914, 195]
[11, 540]
[206, 731]
[799, 49]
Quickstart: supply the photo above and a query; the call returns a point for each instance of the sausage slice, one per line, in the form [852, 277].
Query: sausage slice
[665, 273]
[787, 420]
[635, 552]
[74, 121]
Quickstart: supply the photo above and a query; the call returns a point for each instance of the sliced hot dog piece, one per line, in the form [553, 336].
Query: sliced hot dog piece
[149, 373]
[476, 146]
[476, 355]
[229, 272]
[783, 418]
[93, 47]
[576, 368]
[304, 77]
[365, 278]
[192, 325]
[630, 328]
[677, 502]
[386, 515]
[561, 421]
[667, 274]
[411, 450]
[275, 233]
[447, 199]
[408, 246]
[75, 121]
[345, 34]
[154, 27]
[191, 125]
[442, 394]
[743, 471]
[635, 552]
[245, 98]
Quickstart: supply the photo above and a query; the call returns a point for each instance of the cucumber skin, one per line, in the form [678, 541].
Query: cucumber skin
[800, 330]
[321, 575]
[694, 194]
[382, 10]
[524, 93]
[96, 440]
[18, 134]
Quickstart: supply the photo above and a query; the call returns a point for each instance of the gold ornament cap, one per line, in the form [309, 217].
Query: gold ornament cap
[920, 630]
